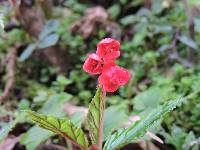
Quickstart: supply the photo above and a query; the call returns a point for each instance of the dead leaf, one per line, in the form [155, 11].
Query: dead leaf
[94, 19]
[155, 137]
[70, 109]
[9, 143]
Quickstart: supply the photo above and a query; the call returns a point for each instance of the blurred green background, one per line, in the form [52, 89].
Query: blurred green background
[43, 45]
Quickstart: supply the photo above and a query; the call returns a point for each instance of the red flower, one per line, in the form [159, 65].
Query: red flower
[108, 49]
[113, 77]
[93, 64]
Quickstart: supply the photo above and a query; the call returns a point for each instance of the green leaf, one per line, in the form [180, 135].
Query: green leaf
[49, 28]
[157, 6]
[112, 123]
[194, 2]
[138, 130]
[48, 41]
[4, 131]
[95, 116]
[34, 137]
[176, 137]
[77, 118]
[190, 138]
[1, 23]
[53, 106]
[151, 98]
[62, 80]
[27, 52]
[114, 10]
[187, 41]
[23, 104]
[62, 127]
[130, 19]
[197, 24]
[140, 36]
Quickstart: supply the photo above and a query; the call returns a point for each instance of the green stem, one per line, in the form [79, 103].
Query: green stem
[100, 138]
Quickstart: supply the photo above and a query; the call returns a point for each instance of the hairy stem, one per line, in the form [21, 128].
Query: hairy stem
[100, 138]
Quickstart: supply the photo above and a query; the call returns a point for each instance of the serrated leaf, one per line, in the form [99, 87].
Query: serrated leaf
[62, 127]
[53, 106]
[138, 130]
[95, 116]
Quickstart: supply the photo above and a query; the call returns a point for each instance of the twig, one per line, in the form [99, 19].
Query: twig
[10, 69]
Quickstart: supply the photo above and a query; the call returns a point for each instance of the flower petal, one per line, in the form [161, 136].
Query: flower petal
[108, 48]
[94, 56]
[113, 76]
[93, 65]
[123, 76]
[107, 85]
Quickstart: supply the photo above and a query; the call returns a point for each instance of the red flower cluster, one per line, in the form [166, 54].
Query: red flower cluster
[103, 62]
